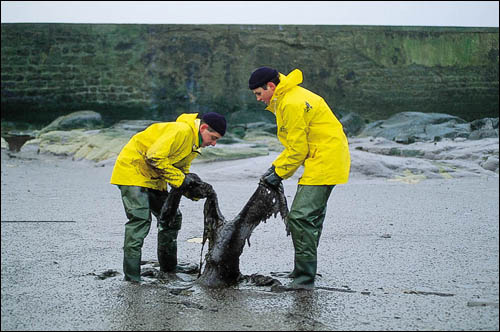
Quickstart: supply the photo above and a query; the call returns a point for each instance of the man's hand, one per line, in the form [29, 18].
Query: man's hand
[271, 178]
[268, 172]
[190, 180]
[193, 187]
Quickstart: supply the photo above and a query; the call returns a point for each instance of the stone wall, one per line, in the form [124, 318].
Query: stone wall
[159, 71]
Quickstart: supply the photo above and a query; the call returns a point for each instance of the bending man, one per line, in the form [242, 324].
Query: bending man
[314, 138]
[159, 155]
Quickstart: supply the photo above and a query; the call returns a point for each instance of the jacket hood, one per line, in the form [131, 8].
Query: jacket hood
[287, 83]
[190, 120]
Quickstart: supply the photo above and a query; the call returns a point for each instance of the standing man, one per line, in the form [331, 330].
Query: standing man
[159, 155]
[313, 137]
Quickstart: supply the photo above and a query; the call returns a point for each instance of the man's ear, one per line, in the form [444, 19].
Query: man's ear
[203, 127]
[271, 86]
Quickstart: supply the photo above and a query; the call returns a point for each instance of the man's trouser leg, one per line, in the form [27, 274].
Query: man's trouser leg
[136, 204]
[167, 243]
[167, 234]
[306, 223]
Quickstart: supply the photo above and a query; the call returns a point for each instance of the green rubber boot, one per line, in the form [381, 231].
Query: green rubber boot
[167, 246]
[132, 268]
[167, 257]
[304, 272]
[304, 276]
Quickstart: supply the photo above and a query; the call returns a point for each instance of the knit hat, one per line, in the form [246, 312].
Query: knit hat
[261, 76]
[216, 121]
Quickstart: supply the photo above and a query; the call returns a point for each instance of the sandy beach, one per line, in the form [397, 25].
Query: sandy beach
[410, 256]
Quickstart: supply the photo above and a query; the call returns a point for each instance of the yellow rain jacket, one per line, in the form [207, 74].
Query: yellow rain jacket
[160, 154]
[311, 134]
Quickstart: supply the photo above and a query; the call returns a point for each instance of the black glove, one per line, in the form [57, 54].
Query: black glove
[268, 172]
[189, 180]
[192, 187]
[271, 178]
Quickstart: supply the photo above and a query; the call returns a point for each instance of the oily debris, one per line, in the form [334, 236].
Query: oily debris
[227, 237]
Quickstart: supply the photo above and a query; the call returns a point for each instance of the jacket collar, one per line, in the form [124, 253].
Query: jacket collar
[191, 119]
[288, 82]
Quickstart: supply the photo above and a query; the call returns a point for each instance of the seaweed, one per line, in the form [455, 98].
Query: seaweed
[227, 237]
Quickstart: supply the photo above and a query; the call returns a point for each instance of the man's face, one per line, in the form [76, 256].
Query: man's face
[208, 137]
[265, 95]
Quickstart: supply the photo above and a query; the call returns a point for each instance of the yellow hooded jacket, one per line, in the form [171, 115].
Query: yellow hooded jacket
[311, 134]
[160, 154]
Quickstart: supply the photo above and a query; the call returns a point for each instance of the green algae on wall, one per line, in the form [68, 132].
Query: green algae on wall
[429, 48]
[137, 71]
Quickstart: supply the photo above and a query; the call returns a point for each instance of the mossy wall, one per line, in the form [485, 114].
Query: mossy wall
[160, 71]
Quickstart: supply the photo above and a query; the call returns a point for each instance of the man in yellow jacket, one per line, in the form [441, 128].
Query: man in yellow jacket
[314, 138]
[159, 155]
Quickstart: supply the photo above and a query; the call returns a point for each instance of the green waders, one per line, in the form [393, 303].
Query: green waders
[139, 203]
[167, 243]
[306, 223]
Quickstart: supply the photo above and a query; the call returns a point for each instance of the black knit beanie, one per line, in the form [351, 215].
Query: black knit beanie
[216, 121]
[261, 76]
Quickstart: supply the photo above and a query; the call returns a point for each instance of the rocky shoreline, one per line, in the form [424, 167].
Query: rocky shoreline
[409, 146]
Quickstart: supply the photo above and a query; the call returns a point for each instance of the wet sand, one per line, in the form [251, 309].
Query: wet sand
[415, 256]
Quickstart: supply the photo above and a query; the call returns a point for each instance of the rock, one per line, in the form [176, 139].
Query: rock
[250, 116]
[484, 128]
[491, 164]
[5, 145]
[410, 127]
[133, 125]
[93, 145]
[230, 152]
[80, 119]
[483, 133]
[103, 145]
[353, 124]
[380, 157]
[371, 157]
[484, 124]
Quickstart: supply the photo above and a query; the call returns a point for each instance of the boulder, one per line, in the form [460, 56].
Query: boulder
[75, 120]
[410, 127]
[484, 128]
[353, 124]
